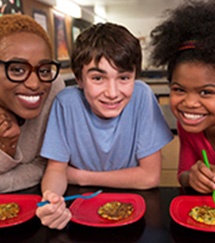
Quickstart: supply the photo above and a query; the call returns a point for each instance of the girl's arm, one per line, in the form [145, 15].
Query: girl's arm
[199, 177]
[192, 171]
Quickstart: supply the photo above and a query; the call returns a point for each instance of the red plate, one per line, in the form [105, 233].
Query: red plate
[27, 204]
[85, 211]
[181, 206]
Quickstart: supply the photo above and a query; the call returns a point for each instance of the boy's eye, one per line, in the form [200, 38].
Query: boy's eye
[97, 78]
[124, 77]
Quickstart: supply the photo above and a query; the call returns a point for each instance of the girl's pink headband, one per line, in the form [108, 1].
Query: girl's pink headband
[190, 44]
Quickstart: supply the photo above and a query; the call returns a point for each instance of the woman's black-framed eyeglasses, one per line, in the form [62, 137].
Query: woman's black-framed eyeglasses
[19, 71]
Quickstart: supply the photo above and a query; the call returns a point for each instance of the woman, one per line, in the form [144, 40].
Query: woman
[27, 72]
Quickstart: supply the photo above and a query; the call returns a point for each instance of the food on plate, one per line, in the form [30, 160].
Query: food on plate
[9, 210]
[203, 214]
[116, 210]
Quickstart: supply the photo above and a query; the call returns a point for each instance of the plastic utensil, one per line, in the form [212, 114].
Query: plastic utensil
[208, 165]
[40, 204]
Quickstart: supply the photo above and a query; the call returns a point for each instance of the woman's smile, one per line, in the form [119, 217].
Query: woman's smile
[25, 99]
[30, 101]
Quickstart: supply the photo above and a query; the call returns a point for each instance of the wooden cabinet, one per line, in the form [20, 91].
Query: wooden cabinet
[170, 158]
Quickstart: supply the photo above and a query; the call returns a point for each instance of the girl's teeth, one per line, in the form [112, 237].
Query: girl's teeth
[31, 99]
[192, 116]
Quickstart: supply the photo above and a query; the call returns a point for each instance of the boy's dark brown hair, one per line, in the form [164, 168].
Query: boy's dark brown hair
[111, 41]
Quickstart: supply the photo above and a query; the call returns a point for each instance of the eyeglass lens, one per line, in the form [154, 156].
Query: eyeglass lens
[21, 71]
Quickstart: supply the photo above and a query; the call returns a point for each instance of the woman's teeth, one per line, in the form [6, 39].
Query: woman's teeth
[31, 99]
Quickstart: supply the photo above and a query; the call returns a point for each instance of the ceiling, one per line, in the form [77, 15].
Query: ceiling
[132, 8]
[128, 9]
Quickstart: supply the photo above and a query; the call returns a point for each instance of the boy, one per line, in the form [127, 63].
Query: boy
[109, 131]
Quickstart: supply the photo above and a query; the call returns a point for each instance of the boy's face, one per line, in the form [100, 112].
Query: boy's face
[106, 89]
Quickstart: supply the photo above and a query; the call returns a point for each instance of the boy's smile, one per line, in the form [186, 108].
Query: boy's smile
[107, 89]
[193, 96]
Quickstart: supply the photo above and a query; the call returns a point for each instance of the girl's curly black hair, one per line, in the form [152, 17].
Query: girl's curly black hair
[193, 20]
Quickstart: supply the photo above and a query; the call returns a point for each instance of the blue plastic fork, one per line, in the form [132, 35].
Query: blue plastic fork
[40, 204]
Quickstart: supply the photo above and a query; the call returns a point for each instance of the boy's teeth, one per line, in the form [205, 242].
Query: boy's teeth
[192, 116]
[31, 99]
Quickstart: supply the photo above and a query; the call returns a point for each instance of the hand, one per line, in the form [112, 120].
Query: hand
[201, 178]
[55, 215]
[212, 168]
[9, 132]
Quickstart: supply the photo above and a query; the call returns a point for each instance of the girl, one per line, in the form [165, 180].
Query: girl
[185, 42]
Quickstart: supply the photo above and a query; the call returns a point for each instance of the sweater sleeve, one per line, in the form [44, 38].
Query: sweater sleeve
[27, 167]
[7, 162]
[23, 175]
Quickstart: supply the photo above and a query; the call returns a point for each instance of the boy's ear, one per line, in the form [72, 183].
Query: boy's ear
[80, 83]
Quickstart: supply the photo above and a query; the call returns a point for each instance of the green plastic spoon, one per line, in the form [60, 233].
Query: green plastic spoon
[208, 165]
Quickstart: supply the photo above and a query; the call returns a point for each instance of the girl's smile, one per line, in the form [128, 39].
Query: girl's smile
[192, 96]
[191, 118]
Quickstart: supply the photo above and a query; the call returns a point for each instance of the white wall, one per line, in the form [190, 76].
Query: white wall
[140, 28]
